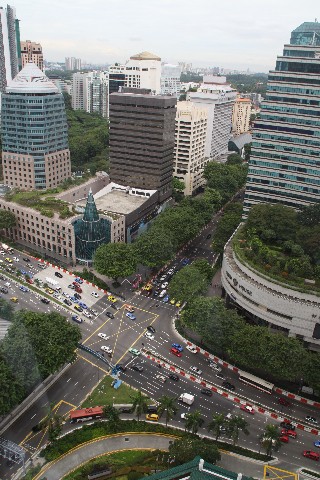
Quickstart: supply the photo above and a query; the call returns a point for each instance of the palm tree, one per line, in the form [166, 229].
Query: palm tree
[111, 414]
[193, 421]
[271, 439]
[216, 424]
[236, 425]
[167, 404]
[140, 403]
[53, 422]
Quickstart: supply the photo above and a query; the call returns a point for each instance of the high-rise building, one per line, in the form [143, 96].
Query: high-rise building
[170, 79]
[78, 93]
[117, 78]
[72, 63]
[284, 165]
[142, 141]
[35, 152]
[190, 141]
[241, 116]
[31, 52]
[10, 58]
[218, 97]
[144, 71]
[96, 93]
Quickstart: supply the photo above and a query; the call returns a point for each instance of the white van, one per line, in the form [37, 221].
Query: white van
[162, 294]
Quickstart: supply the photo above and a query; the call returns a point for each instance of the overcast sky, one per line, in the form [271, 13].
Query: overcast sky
[237, 34]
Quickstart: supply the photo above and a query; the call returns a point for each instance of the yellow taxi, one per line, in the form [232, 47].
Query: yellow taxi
[49, 290]
[172, 301]
[112, 299]
[147, 287]
[129, 308]
[178, 304]
[153, 417]
[8, 260]
[14, 299]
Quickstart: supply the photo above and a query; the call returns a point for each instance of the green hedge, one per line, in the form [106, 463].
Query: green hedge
[91, 277]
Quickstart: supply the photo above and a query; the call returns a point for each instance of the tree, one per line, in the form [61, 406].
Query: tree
[177, 189]
[204, 267]
[282, 220]
[236, 425]
[7, 219]
[154, 249]
[225, 228]
[6, 309]
[112, 415]
[216, 424]
[187, 283]
[186, 448]
[193, 422]
[115, 260]
[168, 406]
[234, 159]
[140, 403]
[271, 438]
[52, 422]
[12, 391]
[247, 151]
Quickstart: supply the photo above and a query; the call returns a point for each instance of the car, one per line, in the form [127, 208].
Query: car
[77, 296]
[129, 308]
[161, 378]
[94, 294]
[131, 316]
[137, 367]
[149, 335]
[147, 287]
[287, 426]
[177, 346]
[29, 280]
[103, 335]
[150, 328]
[311, 419]
[317, 444]
[8, 284]
[134, 351]
[25, 259]
[284, 402]
[73, 299]
[114, 306]
[164, 285]
[220, 376]
[289, 433]
[8, 260]
[109, 314]
[208, 236]
[166, 299]
[71, 286]
[49, 290]
[312, 455]
[45, 300]
[171, 271]
[78, 289]
[284, 439]
[83, 305]
[185, 261]
[14, 299]
[176, 352]
[162, 279]
[57, 296]
[24, 289]
[67, 302]
[184, 415]
[247, 409]
[92, 310]
[214, 366]
[4, 290]
[76, 318]
[178, 304]
[172, 301]
[106, 349]
[23, 271]
[78, 280]
[66, 295]
[195, 370]
[76, 307]
[192, 348]
[112, 299]
[87, 314]
[152, 417]
[58, 274]
[16, 259]
[206, 391]
[174, 376]
[162, 293]
[228, 386]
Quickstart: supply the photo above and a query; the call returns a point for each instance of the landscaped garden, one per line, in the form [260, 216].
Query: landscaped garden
[42, 201]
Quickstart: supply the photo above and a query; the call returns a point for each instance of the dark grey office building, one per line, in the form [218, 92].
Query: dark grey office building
[142, 130]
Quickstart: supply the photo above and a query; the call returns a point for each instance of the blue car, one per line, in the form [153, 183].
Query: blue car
[23, 272]
[30, 274]
[130, 315]
[74, 299]
[24, 289]
[317, 443]
[177, 346]
[83, 305]
[186, 261]
[166, 299]
[78, 280]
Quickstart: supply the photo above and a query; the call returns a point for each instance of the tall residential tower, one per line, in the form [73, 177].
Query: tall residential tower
[31, 52]
[10, 57]
[285, 161]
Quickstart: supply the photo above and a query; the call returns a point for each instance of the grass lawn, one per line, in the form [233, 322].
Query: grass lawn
[104, 394]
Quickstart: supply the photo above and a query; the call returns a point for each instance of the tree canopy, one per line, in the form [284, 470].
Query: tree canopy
[115, 260]
[185, 449]
[7, 219]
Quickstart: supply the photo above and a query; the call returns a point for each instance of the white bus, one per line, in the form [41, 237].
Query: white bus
[256, 382]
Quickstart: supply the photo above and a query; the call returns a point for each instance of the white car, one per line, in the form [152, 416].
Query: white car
[94, 294]
[214, 366]
[184, 415]
[16, 259]
[196, 370]
[149, 336]
[161, 378]
[57, 296]
[192, 348]
[162, 293]
[94, 312]
[87, 314]
[7, 284]
[103, 335]
[106, 349]
[164, 285]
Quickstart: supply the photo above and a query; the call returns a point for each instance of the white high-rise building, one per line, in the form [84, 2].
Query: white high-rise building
[96, 93]
[190, 142]
[241, 116]
[78, 91]
[170, 79]
[9, 41]
[72, 63]
[218, 97]
[143, 71]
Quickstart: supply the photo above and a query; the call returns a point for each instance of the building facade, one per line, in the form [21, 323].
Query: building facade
[284, 165]
[170, 80]
[218, 98]
[142, 141]
[78, 93]
[72, 63]
[144, 71]
[10, 57]
[241, 116]
[96, 93]
[190, 141]
[35, 152]
[31, 52]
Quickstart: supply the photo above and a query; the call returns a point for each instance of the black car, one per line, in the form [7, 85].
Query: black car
[67, 302]
[114, 306]
[287, 426]
[311, 419]
[137, 367]
[58, 274]
[221, 376]
[151, 329]
[2, 277]
[77, 296]
[45, 300]
[109, 314]
[3, 290]
[209, 236]
[25, 259]
[206, 391]
[174, 377]
[229, 386]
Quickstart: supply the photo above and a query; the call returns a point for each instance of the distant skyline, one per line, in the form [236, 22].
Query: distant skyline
[238, 35]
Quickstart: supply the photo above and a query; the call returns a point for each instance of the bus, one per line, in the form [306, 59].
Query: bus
[86, 414]
[256, 382]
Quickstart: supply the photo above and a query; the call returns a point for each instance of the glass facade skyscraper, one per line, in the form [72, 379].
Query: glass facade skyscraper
[285, 161]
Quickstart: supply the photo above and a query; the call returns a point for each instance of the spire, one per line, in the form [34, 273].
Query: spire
[90, 213]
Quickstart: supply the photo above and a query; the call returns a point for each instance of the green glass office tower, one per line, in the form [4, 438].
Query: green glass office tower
[285, 162]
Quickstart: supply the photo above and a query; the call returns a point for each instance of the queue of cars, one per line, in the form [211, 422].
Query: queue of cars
[158, 287]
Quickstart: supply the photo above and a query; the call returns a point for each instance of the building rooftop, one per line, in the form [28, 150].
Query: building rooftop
[145, 56]
[31, 80]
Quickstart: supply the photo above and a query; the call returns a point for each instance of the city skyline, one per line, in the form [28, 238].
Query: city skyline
[215, 34]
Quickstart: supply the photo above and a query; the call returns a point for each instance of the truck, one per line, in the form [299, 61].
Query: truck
[186, 398]
[6, 248]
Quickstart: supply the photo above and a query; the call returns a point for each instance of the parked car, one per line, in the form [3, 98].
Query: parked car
[25, 259]
[83, 305]
[287, 425]
[94, 294]
[58, 274]
[67, 302]
[153, 417]
[45, 300]
[78, 280]
[151, 329]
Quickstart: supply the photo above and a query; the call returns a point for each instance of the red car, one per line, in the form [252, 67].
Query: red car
[284, 438]
[310, 454]
[29, 280]
[176, 352]
[284, 402]
[78, 289]
[247, 408]
[289, 433]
